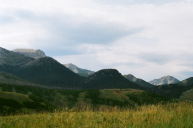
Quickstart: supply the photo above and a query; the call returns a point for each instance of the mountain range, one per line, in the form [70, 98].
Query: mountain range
[36, 54]
[49, 72]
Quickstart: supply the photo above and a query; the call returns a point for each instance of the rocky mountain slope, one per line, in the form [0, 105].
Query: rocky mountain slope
[138, 81]
[81, 72]
[36, 54]
[164, 80]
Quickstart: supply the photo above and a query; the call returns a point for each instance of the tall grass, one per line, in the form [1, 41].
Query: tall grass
[171, 115]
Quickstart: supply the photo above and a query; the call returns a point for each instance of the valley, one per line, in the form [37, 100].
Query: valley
[37, 87]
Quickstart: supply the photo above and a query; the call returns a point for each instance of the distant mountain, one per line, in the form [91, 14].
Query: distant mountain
[36, 54]
[81, 72]
[164, 80]
[187, 82]
[138, 81]
[108, 78]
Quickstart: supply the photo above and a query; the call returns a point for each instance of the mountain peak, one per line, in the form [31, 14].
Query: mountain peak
[164, 80]
[33, 53]
[76, 69]
[108, 78]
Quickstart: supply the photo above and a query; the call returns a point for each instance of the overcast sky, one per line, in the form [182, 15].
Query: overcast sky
[146, 38]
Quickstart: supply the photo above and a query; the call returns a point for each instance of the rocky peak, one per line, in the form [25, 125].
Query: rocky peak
[36, 54]
[80, 71]
[164, 80]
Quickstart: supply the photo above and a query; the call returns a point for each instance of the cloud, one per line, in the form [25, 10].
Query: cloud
[146, 38]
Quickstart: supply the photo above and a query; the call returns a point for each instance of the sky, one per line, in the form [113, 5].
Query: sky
[146, 38]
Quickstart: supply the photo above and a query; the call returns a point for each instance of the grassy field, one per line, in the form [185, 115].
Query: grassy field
[171, 115]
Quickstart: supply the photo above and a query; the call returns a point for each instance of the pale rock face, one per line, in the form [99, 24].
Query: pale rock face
[78, 70]
[164, 80]
[36, 54]
[131, 78]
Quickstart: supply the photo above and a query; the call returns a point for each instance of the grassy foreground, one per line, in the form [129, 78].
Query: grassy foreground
[171, 115]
